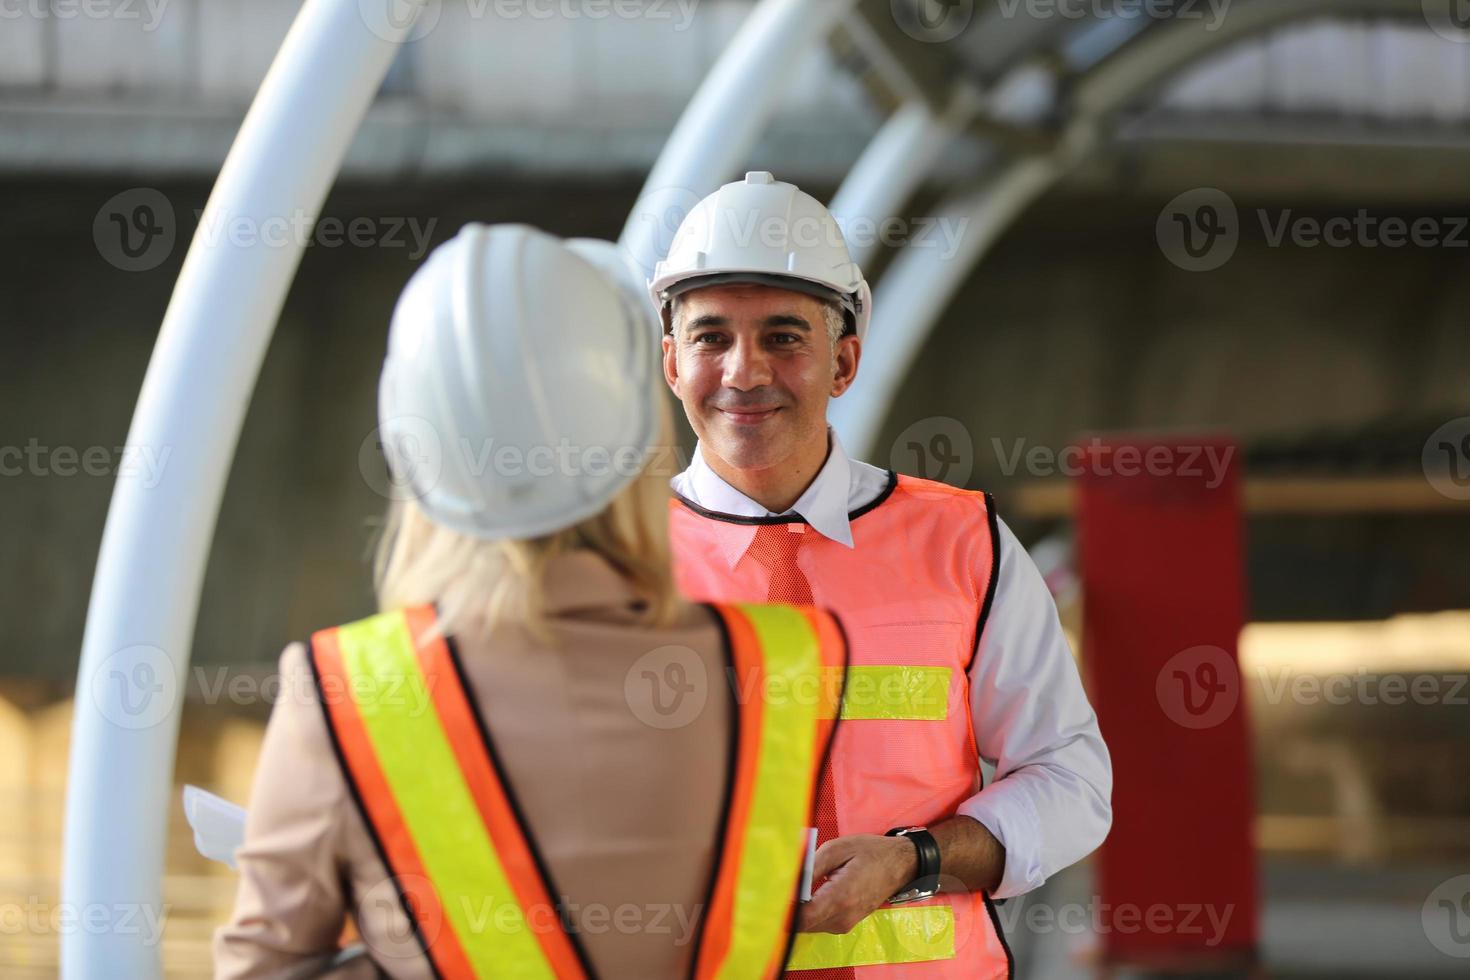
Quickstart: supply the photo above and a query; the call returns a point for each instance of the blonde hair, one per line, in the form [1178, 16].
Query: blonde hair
[479, 583]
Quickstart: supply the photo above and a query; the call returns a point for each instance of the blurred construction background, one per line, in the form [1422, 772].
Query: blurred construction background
[1340, 362]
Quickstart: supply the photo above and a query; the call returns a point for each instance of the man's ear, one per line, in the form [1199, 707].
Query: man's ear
[845, 363]
[671, 364]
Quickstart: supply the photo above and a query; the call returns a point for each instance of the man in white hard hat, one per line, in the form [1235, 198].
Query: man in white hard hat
[956, 650]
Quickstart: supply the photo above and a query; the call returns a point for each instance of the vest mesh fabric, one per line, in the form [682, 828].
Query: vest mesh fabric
[912, 592]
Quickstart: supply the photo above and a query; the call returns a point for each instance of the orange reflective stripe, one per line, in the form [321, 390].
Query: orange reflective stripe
[385, 821]
[746, 927]
[832, 648]
[472, 751]
[749, 676]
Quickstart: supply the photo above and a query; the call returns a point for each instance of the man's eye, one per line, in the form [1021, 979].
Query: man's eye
[701, 338]
[785, 338]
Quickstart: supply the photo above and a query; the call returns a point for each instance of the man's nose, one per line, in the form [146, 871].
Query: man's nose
[747, 365]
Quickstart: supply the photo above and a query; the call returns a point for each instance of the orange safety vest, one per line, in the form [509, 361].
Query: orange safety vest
[425, 775]
[913, 594]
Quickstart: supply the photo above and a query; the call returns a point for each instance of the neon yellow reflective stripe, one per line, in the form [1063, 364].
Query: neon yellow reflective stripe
[891, 935]
[771, 852]
[393, 699]
[896, 693]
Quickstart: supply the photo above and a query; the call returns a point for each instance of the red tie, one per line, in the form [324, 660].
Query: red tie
[775, 547]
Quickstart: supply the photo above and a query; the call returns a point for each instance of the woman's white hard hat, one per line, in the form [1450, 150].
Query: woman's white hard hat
[765, 231]
[517, 396]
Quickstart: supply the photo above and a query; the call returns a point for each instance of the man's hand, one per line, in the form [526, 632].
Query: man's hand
[863, 872]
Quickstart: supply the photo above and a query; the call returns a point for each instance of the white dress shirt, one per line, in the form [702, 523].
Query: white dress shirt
[1050, 803]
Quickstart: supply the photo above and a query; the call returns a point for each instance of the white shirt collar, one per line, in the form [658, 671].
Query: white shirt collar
[823, 505]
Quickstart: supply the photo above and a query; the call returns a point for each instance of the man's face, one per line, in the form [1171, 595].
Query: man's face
[754, 367]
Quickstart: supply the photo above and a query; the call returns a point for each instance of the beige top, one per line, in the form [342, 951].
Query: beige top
[625, 813]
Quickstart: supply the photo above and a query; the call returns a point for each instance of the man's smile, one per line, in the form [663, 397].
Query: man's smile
[747, 416]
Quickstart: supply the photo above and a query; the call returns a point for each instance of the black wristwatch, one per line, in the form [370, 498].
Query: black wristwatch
[926, 883]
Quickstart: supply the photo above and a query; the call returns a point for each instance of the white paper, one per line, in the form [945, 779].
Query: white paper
[219, 825]
[809, 864]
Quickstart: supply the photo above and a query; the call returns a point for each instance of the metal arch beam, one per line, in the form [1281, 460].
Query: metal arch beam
[918, 287]
[1153, 55]
[145, 594]
[921, 283]
[893, 166]
[722, 122]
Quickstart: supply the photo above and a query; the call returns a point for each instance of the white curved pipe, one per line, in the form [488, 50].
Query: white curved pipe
[893, 166]
[146, 591]
[918, 287]
[721, 124]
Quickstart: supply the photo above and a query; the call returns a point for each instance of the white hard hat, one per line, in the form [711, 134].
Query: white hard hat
[766, 231]
[517, 396]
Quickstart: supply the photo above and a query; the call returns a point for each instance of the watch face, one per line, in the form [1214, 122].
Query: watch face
[913, 895]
